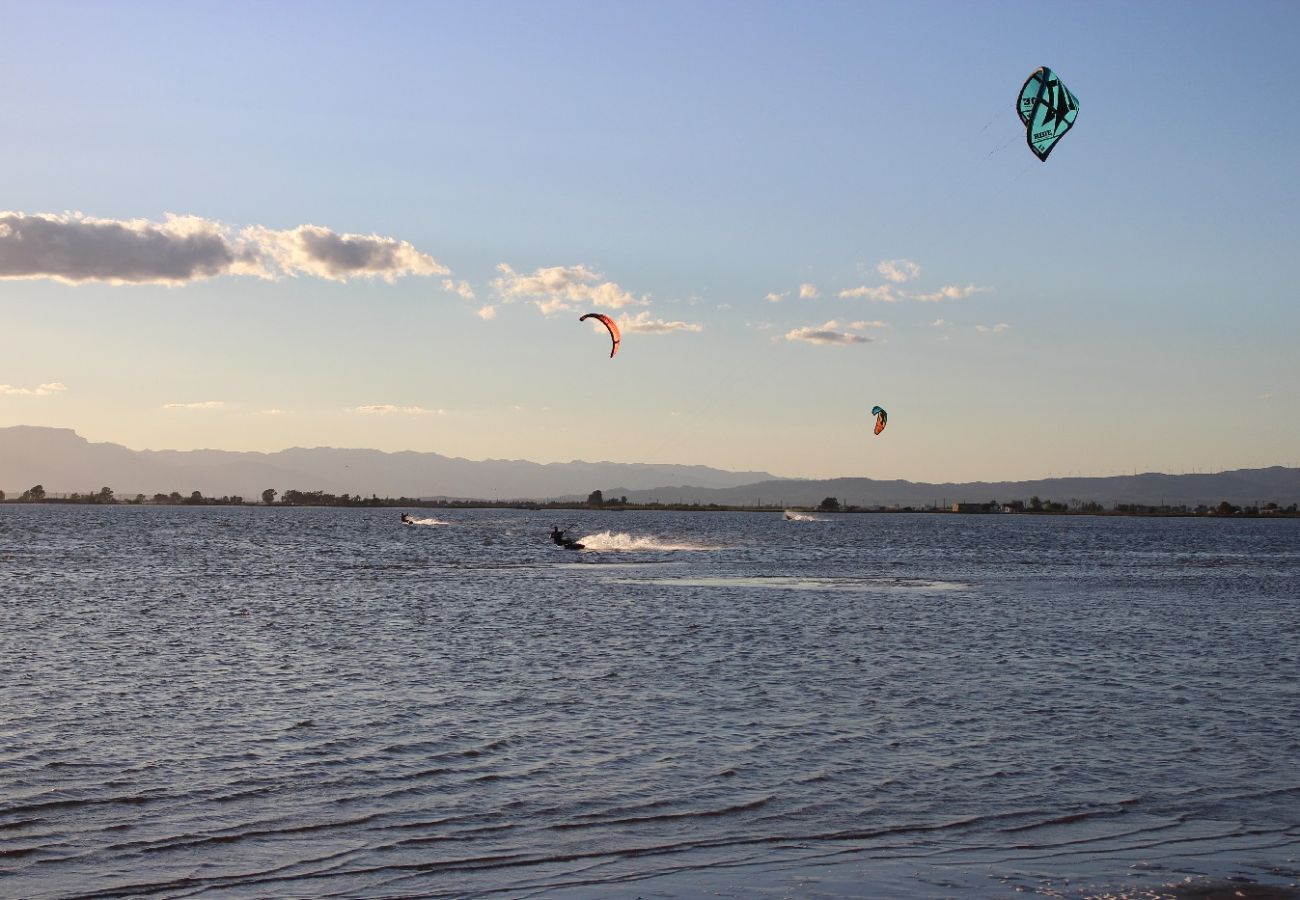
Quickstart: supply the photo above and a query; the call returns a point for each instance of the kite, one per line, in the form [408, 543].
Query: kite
[608, 323]
[881, 418]
[1047, 109]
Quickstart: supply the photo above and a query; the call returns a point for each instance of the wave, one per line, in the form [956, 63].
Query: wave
[624, 542]
[793, 516]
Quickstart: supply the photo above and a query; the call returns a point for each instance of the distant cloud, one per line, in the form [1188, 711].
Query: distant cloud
[826, 333]
[862, 326]
[885, 293]
[460, 289]
[643, 324]
[950, 293]
[385, 409]
[774, 297]
[75, 248]
[316, 251]
[939, 323]
[41, 390]
[992, 329]
[563, 288]
[487, 311]
[202, 404]
[270, 412]
[898, 270]
[808, 291]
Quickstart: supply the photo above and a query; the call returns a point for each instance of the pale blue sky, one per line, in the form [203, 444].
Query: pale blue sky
[702, 155]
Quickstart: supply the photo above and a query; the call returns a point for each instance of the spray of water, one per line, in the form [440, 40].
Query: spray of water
[624, 542]
[415, 521]
[802, 517]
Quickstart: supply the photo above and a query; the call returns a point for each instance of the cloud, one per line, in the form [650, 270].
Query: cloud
[992, 329]
[642, 323]
[826, 333]
[774, 297]
[270, 412]
[563, 288]
[939, 323]
[487, 311]
[316, 251]
[808, 291]
[862, 326]
[384, 409]
[41, 390]
[461, 289]
[886, 293]
[950, 293]
[202, 404]
[898, 270]
[75, 248]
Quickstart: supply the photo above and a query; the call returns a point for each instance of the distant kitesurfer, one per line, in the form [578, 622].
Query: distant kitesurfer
[557, 535]
[407, 520]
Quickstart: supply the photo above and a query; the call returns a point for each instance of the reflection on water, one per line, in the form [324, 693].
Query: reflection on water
[789, 583]
[310, 703]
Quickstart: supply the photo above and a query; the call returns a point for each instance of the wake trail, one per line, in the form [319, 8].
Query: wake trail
[623, 542]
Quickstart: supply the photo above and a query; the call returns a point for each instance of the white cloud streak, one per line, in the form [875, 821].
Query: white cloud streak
[885, 293]
[808, 291]
[461, 289]
[74, 248]
[386, 409]
[951, 292]
[201, 404]
[826, 333]
[774, 297]
[992, 329]
[563, 289]
[898, 270]
[643, 324]
[41, 390]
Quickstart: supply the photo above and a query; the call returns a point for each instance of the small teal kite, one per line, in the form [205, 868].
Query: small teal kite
[1047, 109]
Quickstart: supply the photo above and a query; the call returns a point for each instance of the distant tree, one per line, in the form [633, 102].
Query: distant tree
[1035, 504]
[195, 498]
[830, 504]
[139, 498]
[2, 496]
[174, 497]
[622, 500]
[34, 493]
[105, 495]
[268, 496]
[1225, 509]
[595, 498]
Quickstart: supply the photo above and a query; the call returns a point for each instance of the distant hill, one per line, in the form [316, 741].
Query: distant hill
[1240, 487]
[62, 461]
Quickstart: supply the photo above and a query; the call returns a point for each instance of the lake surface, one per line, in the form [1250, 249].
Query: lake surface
[252, 702]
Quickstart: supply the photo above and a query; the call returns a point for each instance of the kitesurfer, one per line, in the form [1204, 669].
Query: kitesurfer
[407, 520]
[557, 535]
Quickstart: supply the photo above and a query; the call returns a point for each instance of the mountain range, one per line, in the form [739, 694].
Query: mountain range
[1241, 487]
[62, 462]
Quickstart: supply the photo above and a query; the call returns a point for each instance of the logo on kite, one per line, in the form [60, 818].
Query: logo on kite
[881, 417]
[1047, 109]
[608, 323]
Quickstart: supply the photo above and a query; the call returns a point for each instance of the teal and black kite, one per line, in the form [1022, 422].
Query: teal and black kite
[1047, 109]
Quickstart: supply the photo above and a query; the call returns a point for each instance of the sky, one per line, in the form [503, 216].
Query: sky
[257, 226]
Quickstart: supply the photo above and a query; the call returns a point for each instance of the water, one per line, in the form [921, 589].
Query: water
[226, 702]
